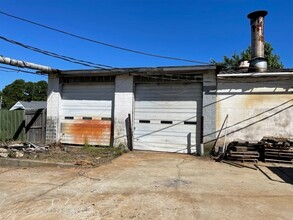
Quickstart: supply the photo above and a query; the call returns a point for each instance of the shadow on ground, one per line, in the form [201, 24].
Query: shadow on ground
[285, 173]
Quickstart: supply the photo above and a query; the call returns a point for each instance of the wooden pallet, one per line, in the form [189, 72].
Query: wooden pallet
[244, 156]
[248, 154]
[279, 161]
[278, 155]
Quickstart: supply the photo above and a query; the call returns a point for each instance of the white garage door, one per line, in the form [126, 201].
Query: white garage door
[166, 117]
[86, 113]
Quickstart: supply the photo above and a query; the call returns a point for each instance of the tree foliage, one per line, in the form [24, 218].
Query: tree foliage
[20, 90]
[273, 59]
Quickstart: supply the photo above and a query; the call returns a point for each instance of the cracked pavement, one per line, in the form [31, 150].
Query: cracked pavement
[146, 185]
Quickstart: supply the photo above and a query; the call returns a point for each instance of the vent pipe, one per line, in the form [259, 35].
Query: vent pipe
[258, 62]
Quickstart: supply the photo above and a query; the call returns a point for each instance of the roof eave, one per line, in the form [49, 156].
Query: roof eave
[139, 71]
[269, 74]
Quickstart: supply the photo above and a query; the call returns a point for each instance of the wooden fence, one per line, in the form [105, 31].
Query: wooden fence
[28, 125]
[35, 125]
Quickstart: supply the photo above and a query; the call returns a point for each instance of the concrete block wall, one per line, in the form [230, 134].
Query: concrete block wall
[209, 109]
[123, 105]
[53, 107]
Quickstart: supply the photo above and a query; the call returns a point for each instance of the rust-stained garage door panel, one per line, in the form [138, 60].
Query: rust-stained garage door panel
[93, 132]
[86, 113]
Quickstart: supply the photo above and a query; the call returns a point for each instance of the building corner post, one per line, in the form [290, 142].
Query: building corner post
[123, 106]
[53, 109]
[209, 93]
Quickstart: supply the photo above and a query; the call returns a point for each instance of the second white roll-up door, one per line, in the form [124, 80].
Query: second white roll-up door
[86, 113]
[167, 116]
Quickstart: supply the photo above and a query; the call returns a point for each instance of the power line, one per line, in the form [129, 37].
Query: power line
[7, 69]
[102, 43]
[58, 56]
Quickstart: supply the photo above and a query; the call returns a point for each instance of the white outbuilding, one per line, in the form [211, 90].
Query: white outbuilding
[171, 108]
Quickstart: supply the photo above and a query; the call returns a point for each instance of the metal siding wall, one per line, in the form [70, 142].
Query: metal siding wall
[164, 103]
[12, 125]
[86, 113]
[93, 91]
[86, 108]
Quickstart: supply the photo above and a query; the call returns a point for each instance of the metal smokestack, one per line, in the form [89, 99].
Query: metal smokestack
[258, 61]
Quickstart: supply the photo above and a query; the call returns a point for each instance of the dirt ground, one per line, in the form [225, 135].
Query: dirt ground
[147, 185]
[77, 155]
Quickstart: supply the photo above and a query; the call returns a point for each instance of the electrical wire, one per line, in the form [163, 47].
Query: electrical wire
[8, 71]
[58, 56]
[103, 43]
[18, 70]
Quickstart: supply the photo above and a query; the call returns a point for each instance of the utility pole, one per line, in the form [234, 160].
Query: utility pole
[1, 102]
[24, 64]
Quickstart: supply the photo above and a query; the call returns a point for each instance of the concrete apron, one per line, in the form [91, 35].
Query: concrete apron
[145, 185]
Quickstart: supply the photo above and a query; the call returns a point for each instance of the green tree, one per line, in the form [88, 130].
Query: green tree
[0, 99]
[13, 92]
[40, 91]
[273, 59]
[19, 90]
[29, 91]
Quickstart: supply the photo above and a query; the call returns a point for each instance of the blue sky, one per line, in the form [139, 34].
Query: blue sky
[192, 29]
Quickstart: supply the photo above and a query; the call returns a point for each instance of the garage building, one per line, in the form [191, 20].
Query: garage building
[172, 108]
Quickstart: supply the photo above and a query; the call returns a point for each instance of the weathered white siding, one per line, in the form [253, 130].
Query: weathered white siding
[255, 107]
[166, 117]
[86, 113]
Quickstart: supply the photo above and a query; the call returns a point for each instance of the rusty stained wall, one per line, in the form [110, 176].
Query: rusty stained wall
[255, 109]
[92, 132]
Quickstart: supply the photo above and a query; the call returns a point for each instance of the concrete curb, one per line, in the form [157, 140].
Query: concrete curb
[32, 163]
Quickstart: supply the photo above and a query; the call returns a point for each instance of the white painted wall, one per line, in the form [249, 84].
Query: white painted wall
[53, 108]
[255, 107]
[123, 105]
[209, 99]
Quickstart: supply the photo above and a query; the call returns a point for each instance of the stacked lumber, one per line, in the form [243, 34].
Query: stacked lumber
[278, 149]
[243, 151]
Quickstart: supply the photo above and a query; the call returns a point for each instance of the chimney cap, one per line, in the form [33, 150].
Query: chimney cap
[256, 14]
